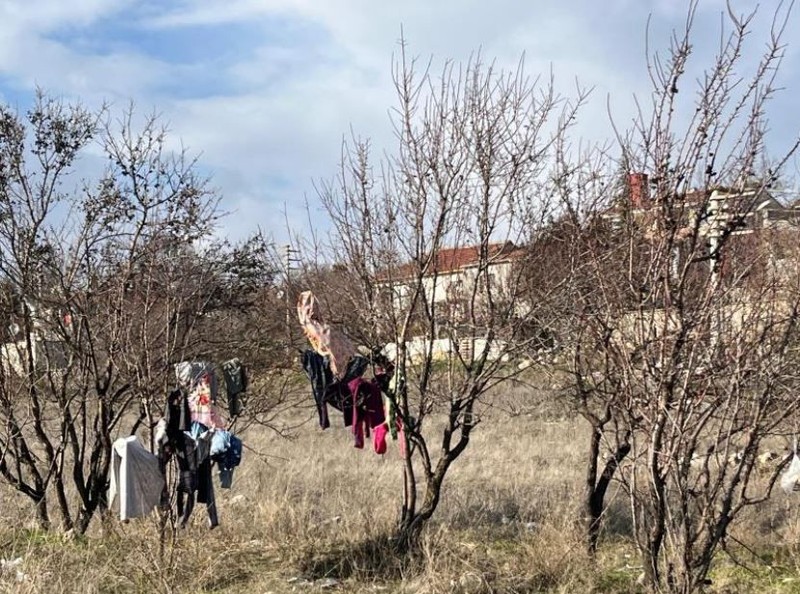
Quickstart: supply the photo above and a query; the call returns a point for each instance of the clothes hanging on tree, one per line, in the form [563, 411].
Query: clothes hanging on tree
[327, 390]
[205, 494]
[177, 415]
[326, 341]
[360, 401]
[190, 428]
[235, 375]
[339, 395]
[200, 382]
[137, 478]
[367, 408]
[203, 488]
[194, 465]
[226, 452]
[356, 368]
[379, 438]
[320, 376]
[196, 447]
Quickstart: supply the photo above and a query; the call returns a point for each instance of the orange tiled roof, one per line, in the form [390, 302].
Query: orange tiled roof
[453, 259]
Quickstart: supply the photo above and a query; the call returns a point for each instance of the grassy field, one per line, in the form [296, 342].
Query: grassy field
[311, 513]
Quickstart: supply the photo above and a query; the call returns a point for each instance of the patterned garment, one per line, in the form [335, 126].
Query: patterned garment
[202, 404]
[328, 342]
[200, 382]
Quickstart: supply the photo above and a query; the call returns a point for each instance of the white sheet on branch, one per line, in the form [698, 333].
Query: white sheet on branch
[136, 477]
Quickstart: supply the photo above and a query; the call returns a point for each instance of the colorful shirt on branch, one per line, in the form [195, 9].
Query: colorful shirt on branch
[200, 382]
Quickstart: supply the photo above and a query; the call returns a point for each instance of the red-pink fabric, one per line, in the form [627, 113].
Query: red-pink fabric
[367, 408]
[379, 439]
[201, 404]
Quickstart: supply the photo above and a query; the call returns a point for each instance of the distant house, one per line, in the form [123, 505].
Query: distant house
[749, 219]
[454, 272]
[746, 238]
[454, 277]
[47, 349]
[718, 209]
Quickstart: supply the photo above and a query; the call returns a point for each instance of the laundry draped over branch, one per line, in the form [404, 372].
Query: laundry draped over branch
[336, 370]
[136, 477]
[193, 433]
[200, 383]
[325, 340]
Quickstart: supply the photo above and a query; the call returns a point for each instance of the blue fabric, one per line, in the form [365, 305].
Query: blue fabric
[220, 442]
[197, 429]
[233, 455]
[225, 477]
[228, 458]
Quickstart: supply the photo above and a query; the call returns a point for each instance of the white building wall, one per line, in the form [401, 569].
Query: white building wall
[442, 286]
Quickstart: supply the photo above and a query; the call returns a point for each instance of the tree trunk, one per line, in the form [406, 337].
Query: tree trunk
[84, 518]
[590, 504]
[63, 507]
[409, 531]
[42, 515]
[654, 577]
[596, 490]
[409, 494]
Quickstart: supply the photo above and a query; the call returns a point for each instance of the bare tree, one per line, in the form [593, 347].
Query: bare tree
[108, 285]
[463, 183]
[681, 337]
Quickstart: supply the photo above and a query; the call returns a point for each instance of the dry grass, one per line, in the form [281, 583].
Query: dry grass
[313, 509]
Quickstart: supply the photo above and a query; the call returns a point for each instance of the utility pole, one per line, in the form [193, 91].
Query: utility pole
[289, 259]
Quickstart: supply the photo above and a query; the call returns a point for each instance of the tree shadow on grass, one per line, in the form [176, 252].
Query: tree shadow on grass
[617, 520]
[377, 558]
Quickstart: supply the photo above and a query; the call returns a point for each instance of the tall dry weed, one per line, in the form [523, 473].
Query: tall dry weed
[314, 511]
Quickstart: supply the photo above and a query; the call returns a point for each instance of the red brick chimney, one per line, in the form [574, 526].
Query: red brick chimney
[640, 192]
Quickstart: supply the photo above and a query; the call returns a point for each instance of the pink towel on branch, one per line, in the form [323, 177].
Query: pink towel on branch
[327, 341]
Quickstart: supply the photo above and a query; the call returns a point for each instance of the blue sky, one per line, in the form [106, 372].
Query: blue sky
[265, 90]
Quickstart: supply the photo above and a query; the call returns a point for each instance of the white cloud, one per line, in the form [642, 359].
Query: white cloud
[215, 12]
[42, 62]
[38, 16]
[293, 130]
[278, 119]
